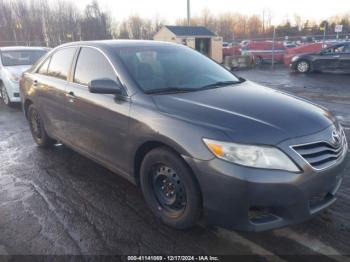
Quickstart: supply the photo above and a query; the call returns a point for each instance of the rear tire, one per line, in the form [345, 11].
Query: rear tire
[303, 67]
[37, 128]
[170, 189]
[4, 96]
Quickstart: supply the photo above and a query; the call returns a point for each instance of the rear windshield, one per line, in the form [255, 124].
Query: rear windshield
[21, 57]
[162, 68]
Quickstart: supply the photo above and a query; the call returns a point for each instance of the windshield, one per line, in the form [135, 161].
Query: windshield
[20, 57]
[173, 68]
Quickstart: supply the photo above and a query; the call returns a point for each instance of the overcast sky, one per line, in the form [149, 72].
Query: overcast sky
[173, 9]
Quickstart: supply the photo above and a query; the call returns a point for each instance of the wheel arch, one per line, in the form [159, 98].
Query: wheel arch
[148, 146]
[26, 105]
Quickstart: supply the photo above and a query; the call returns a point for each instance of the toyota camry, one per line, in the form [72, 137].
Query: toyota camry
[200, 142]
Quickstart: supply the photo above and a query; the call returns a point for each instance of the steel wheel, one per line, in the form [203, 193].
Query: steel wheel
[37, 128]
[35, 124]
[303, 66]
[168, 189]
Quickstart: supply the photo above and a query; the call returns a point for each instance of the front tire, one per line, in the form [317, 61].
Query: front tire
[303, 67]
[170, 189]
[4, 96]
[37, 128]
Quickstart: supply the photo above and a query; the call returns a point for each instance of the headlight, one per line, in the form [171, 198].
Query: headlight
[12, 77]
[253, 156]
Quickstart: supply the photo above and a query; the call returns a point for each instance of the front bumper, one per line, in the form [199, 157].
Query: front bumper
[250, 199]
[293, 66]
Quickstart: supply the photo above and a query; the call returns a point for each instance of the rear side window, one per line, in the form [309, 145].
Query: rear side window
[44, 67]
[347, 49]
[61, 62]
[92, 65]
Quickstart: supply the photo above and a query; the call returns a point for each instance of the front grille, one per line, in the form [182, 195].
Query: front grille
[321, 155]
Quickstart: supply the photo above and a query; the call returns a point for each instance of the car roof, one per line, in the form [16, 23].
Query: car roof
[108, 44]
[15, 48]
[339, 44]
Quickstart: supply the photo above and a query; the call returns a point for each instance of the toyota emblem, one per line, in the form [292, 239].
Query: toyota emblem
[335, 137]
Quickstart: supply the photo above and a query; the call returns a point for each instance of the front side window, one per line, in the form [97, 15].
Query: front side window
[334, 50]
[44, 67]
[21, 57]
[347, 49]
[61, 62]
[92, 65]
[173, 68]
[339, 49]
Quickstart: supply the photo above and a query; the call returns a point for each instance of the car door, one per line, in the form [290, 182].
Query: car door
[50, 83]
[97, 123]
[327, 60]
[345, 59]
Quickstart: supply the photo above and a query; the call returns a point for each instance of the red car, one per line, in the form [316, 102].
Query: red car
[264, 51]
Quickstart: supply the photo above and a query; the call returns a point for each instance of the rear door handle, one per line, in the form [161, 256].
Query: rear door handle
[71, 97]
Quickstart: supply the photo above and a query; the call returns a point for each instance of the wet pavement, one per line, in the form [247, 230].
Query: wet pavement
[58, 202]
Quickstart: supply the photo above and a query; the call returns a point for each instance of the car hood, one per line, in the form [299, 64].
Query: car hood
[17, 70]
[248, 112]
[302, 55]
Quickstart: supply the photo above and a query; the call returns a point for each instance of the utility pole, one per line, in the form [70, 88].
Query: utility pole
[273, 47]
[324, 36]
[188, 12]
[324, 28]
[263, 20]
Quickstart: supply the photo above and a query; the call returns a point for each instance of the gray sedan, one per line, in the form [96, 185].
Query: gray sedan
[199, 141]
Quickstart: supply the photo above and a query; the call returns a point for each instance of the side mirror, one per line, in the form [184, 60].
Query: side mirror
[105, 86]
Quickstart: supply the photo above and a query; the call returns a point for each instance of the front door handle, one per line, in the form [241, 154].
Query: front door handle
[71, 97]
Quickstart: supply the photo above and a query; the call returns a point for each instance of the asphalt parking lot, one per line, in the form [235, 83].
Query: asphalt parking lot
[59, 202]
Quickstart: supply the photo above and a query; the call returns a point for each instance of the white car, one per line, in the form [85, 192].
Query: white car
[14, 61]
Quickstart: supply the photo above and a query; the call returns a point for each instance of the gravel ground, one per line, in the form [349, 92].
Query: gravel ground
[57, 202]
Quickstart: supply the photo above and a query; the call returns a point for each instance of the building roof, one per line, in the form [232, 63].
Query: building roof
[190, 30]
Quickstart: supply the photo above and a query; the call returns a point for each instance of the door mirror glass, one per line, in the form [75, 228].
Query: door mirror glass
[105, 86]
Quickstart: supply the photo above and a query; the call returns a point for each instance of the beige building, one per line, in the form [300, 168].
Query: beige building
[196, 37]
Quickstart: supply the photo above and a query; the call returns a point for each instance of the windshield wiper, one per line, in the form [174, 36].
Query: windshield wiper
[220, 84]
[175, 89]
[170, 90]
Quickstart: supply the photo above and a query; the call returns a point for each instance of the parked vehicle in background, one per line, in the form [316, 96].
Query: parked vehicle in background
[289, 44]
[301, 50]
[225, 44]
[334, 58]
[199, 140]
[263, 51]
[232, 50]
[14, 61]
